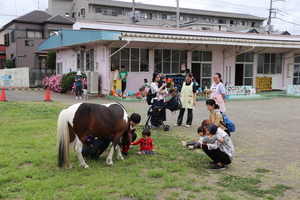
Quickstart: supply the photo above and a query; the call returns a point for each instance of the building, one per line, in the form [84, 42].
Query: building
[239, 57]
[23, 35]
[155, 15]
[2, 49]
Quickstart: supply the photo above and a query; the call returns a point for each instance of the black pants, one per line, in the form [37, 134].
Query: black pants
[189, 119]
[133, 137]
[217, 155]
[98, 147]
[123, 86]
[78, 90]
[195, 144]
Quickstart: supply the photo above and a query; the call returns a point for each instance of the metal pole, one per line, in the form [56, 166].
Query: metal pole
[177, 15]
[270, 14]
[133, 12]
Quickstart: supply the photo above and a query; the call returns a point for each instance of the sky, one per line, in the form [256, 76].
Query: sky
[287, 17]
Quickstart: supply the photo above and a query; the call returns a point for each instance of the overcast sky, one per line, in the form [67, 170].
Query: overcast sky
[288, 13]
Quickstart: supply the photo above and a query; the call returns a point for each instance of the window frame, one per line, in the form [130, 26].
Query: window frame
[169, 62]
[270, 64]
[130, 59]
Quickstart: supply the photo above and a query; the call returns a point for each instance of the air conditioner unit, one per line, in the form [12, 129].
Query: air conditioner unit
[92, 82]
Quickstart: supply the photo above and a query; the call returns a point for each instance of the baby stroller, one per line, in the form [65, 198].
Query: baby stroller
[173, 104]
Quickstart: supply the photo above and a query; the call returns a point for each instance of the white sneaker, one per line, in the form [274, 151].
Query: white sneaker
[188, 126]
[80, 97]
[183, 143]
[191, 147]
[76, 98]
[175, 124]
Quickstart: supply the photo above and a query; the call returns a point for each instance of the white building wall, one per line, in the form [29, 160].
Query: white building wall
[68, 58]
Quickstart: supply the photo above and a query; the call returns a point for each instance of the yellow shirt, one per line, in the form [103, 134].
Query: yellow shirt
[217, 118]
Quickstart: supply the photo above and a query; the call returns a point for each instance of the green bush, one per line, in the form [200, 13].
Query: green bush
[51, 60]
[67, 81]
[9, 64]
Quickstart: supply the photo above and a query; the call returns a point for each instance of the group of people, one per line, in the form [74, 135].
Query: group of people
[214, 137]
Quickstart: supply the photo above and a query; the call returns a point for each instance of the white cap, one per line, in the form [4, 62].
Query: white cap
[79, 73]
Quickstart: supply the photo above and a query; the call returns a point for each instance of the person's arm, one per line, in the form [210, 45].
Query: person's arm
[136, 143]
[213, 146]
[219, 138]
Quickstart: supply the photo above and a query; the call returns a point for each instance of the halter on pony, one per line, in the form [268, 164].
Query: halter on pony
[99, 120]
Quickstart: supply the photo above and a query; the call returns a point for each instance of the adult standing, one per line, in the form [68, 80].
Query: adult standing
[123, 77]
[222, 153]
[158, 100]
[218, 92]
[188, 99]
[78, 84]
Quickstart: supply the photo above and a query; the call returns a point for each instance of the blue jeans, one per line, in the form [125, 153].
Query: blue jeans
[78, 90]
[144, 152]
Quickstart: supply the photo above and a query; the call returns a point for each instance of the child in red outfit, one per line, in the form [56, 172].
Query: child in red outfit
[146, 143]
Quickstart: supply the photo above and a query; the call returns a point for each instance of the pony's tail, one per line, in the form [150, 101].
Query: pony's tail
[63, 140]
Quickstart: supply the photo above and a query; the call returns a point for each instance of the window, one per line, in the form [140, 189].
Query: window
[222, 21]
[13, 36]
[34, 35]
[146, 15]
[169, 61]
[244, 23]
[29, 43]
[6, 39]
[233, 22]
[269, 63]
[172, 17]
[254, 24]
[111, 12]
[202, 56]
[59, 68]
[98, 10]
[193, 19]
[134, 59]
[206, 19]
[82, 11]
[73, 14]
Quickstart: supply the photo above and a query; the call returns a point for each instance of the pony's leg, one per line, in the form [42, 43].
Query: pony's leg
[78, 149]
[119, 156]
[110, 155]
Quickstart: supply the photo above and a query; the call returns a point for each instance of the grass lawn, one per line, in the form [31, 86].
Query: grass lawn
[29, 166]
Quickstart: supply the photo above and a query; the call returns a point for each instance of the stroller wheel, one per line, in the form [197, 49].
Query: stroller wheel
[167, 128]
[146, 127]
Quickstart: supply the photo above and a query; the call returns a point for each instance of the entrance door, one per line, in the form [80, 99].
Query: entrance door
[196, 71]
[239, 74]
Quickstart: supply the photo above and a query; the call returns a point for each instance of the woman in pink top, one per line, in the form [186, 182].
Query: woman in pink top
[218, 92]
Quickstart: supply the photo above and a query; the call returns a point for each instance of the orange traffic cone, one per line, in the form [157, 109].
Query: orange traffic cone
[47, 98]
[3, 96]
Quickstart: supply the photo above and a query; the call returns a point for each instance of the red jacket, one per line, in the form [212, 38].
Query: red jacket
[145, 144]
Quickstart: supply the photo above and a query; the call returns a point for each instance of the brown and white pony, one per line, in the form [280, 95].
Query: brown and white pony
[107, 120]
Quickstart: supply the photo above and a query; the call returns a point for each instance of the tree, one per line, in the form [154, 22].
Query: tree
[51, 60]
[9, 64]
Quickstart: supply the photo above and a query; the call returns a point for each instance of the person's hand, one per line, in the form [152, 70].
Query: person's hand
[165, 84]
[210, 91]
[153, 150]
[194, 103]
[204, 143]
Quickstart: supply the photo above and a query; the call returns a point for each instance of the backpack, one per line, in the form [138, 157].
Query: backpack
[230, 126]
[149, 98]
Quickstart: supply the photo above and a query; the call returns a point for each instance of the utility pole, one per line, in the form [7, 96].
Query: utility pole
[133, 12]
[177, 15]
[271, 11]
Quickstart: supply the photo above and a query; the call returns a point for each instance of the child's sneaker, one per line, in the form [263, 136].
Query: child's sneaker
[183, 143]
[218, 167]
[191, 147]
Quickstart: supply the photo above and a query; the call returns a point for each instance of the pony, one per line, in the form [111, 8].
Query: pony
[99, 120]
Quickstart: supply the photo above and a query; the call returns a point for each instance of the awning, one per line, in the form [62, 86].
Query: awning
[68, 38]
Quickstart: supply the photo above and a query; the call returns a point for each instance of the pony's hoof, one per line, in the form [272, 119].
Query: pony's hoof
[84, 166]
[121, 158]
[110, 163]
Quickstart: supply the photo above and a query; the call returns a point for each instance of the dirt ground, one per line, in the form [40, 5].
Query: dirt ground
[267, 134]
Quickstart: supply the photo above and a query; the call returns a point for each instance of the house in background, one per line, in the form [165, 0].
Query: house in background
[2, 49]
[153, 15]
[239, 57]
[22, 36]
